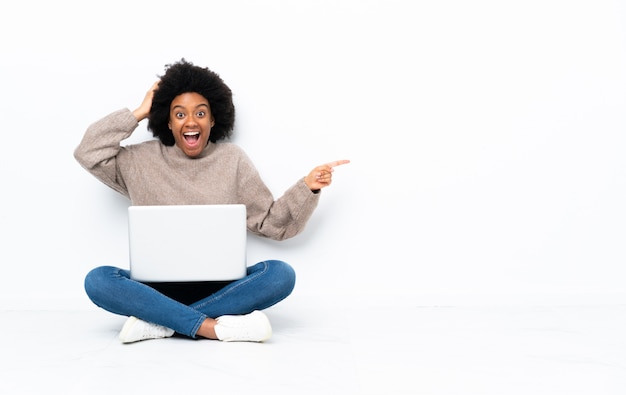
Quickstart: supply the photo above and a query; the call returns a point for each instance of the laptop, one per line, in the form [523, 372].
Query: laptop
[187, 243]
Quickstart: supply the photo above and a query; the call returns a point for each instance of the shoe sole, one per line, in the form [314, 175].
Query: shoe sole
[268, 325]
[130, 322]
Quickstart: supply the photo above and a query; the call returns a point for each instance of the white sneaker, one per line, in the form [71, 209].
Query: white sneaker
[135, 330]
[253, 327]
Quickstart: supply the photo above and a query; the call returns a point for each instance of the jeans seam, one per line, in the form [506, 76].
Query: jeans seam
[200, 319]
[248, 279]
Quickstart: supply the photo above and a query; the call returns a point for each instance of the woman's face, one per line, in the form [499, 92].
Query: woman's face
[191, 122]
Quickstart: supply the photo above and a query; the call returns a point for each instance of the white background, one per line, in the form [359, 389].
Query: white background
[486, 138]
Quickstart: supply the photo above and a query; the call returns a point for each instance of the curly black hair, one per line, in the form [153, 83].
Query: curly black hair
[184, 77]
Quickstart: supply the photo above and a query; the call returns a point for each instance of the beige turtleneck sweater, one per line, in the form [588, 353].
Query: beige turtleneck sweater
[150, 173]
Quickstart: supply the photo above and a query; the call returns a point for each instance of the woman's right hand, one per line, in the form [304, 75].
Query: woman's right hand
[143, 110]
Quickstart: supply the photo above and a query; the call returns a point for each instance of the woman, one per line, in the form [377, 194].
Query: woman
[190, 110]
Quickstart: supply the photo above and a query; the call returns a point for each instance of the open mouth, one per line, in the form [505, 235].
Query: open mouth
[191, 137]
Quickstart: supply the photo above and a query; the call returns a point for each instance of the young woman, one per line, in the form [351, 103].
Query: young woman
[191, 112]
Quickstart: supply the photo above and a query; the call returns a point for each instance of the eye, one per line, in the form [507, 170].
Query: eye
[201, 114]
[179, 115]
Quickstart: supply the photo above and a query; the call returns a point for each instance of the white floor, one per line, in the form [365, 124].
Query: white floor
[323, 348]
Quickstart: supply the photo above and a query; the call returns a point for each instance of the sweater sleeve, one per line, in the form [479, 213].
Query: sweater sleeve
[100, 146]
[278, 219]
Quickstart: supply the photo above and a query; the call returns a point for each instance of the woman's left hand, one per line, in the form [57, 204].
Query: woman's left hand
[322, 176]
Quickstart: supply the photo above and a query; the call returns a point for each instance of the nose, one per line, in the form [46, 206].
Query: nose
[191, 121]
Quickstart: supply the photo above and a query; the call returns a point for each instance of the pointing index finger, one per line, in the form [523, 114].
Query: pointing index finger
[338, 163]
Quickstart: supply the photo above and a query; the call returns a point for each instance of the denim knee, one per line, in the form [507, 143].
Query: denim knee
[96, 282]
[283, 276]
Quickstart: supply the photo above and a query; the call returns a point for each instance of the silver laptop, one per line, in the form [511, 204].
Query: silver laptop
[187, 243]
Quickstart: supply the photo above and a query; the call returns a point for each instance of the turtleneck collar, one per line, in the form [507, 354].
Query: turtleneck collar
[178, 153]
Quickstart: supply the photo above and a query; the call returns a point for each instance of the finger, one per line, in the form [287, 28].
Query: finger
[154, 87]
[338, 163]
[324, 174]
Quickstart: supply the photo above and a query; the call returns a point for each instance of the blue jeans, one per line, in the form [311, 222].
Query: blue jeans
[265, 284]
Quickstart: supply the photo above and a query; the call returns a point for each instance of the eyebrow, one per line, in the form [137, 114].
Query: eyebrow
[198, 106]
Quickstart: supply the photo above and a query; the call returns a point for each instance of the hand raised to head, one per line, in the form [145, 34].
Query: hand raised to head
[143, 110]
